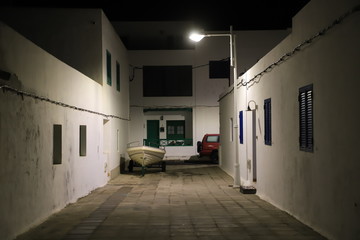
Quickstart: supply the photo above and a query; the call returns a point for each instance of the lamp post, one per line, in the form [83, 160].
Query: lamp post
[198, 37]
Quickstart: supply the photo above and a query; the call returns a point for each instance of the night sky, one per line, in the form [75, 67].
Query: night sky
[213, 16]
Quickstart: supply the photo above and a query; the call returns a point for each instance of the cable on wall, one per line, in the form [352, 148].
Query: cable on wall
[132, 70]
[31, 95]
[301, 46]
[207, 64]
[172, 106]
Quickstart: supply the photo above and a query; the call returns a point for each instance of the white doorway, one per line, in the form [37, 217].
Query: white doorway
[251, 146]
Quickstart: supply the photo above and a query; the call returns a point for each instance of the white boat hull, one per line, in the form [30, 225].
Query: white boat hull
[145, 155]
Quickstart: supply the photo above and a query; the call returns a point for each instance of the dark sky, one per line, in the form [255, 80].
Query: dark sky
[210, 15]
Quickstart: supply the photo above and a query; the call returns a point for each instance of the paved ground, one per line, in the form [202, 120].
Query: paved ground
[186, 202]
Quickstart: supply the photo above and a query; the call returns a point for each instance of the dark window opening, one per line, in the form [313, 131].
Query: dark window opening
[219, 69]
[108, 67]
[117, 76]
[82, 133]
[57, 143]
[167, 81]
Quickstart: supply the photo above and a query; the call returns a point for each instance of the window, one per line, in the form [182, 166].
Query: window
[171, 130]
[57, 143]
[267, 121]
[175, 129]
[108, 67]
[306, 118]
[180, 130]
[241, 127]
[117, 76]
[213, 139]
[167, 81]
[82, 144]
[219, 69]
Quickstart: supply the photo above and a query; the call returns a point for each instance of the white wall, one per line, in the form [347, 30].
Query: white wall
[65, 33]
[137, 121]
[115, 102]
[319, 187]
[32, 187]
[206, 121]
[227, 130]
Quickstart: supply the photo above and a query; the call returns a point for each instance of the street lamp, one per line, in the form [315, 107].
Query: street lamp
[198, 37]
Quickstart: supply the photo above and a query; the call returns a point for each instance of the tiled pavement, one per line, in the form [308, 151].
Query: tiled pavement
[186, 202]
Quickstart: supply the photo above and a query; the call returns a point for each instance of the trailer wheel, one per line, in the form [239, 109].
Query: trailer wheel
[214, 156]
[163, 166]
[131, 166]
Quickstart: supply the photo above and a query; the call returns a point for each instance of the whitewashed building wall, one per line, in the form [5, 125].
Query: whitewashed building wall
[41, 92]
[319, 187]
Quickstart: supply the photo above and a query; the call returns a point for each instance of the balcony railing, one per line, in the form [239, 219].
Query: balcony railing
[168, 142]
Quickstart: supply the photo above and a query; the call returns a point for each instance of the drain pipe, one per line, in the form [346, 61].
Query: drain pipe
[236, 117]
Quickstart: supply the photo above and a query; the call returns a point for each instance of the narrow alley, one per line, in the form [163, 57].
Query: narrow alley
[188, 201]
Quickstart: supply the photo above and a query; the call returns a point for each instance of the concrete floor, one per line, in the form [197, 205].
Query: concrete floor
[186, 202]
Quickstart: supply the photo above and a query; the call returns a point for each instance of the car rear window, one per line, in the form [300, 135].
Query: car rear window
[212, 139]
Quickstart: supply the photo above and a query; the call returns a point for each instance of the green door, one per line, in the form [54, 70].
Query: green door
[153, 133]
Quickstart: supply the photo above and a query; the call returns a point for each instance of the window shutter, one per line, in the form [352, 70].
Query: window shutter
[309, 119]
[267, 121]
[117, 76]
[108, 67]
[306, 118]
[241, 127]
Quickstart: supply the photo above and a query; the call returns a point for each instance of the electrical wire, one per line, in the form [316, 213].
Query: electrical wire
[300, 46]
[172, 106]
[207, 64]
[6, 88]
[131, 78]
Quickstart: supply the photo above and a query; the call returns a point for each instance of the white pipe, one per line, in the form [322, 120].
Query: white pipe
[236, 117]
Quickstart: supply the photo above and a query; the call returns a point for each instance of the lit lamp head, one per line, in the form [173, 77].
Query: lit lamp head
[196, 37]
[249, 108]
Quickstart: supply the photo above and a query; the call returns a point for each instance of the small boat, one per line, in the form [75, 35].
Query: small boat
[145, 156]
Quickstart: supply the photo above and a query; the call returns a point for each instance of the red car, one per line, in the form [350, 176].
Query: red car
[209, 146]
